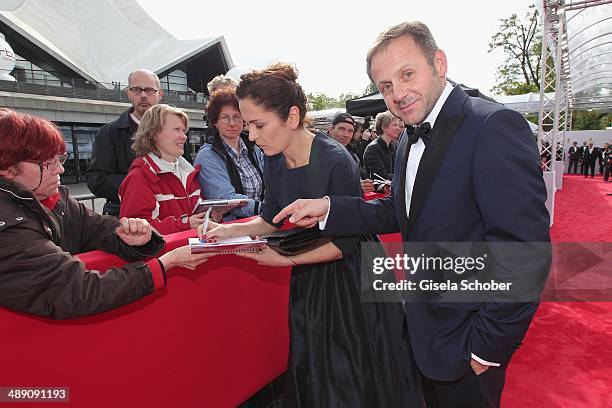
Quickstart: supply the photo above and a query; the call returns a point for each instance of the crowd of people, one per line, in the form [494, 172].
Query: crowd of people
[589, 158]
[343, 352]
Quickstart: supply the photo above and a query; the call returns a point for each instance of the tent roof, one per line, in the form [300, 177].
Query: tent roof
[589, 38]
[101, 40]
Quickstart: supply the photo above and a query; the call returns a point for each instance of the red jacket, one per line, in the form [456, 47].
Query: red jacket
[158, 197]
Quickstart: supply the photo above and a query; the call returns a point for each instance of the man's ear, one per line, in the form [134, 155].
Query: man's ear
[293, 120]
[440, 63]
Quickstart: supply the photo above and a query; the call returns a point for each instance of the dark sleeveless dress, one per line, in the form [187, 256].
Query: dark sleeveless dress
[343, 352]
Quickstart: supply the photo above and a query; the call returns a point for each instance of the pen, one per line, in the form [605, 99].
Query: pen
[206, 217]
[379, 177]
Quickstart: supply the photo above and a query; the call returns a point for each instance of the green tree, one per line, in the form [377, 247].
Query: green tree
[320, 101]
[345, 97]
[591, 120]
[370, 89]
[521, 41]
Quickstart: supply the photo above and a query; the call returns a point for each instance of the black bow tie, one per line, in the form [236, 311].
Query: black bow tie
[422, 131]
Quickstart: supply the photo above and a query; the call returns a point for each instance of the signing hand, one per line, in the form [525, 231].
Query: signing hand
[267, 257]
[367, 186]
[202, 233]
[134, 231]
[217, 231]
[182, 257]
[304, 212]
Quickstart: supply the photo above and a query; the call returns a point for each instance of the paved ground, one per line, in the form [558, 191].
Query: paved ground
[81, 190]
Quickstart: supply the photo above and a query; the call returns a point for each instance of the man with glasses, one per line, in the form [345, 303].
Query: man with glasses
[112, 152]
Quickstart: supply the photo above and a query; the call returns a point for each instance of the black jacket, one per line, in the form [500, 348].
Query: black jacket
[353, 151]
[380, 159]
[112, 157]
[38, 273]
[232, 170]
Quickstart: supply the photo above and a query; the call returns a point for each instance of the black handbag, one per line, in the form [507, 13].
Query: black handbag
[296, 241]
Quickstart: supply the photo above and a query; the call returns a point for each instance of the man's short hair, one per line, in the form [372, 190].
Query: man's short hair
[416, 30]
[383, 119]
[343, 118]
[221, 81]
[145, 71]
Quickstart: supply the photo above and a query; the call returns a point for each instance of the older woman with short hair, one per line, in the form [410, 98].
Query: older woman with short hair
[232, 165]
[42, 228]
[161, 186]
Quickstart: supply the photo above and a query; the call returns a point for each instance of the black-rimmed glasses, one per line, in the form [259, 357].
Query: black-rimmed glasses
[138, 90]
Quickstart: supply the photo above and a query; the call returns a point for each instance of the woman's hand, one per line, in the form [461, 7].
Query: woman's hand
[182, 257]
[367, 186]
[211, 225]
[196, 220]
[217, 231]
[134, 231]
[268, 257]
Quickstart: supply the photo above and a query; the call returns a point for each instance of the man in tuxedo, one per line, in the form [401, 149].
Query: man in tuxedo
[607, 157]
[447, 189]
[589, 156]
[573, 157]
[602, 158]
[581, 156]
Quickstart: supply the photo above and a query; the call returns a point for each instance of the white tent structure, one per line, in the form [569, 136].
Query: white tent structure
[577, 36]
[76, 38]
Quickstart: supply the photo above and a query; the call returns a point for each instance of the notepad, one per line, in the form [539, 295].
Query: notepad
[227, 246]
[219, 205]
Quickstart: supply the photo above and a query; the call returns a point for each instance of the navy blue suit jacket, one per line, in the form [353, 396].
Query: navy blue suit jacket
[479, 180]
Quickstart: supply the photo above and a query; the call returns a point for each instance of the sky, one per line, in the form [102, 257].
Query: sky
[328, 40]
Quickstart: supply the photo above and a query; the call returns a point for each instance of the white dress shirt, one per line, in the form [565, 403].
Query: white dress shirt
[417, 149]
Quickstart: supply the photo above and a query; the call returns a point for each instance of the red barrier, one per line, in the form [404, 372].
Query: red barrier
[211, 338]
[373, 195]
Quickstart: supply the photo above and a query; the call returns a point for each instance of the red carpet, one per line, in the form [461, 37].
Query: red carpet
[566, 359]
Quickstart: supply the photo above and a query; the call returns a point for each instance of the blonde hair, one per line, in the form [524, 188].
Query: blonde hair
[221, 81]
[383, 119]
[151, 125]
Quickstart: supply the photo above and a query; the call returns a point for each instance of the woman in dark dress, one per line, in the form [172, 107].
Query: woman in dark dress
[343, 352]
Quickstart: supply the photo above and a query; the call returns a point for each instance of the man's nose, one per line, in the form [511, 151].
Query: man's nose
[399, 93]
